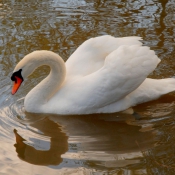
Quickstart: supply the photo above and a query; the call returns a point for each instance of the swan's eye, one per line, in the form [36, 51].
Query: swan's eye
[13, 78]
[17, 74]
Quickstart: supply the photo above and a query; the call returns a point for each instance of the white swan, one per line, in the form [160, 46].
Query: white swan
[104, 75]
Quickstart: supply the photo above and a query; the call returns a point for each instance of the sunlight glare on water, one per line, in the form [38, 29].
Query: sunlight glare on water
[93, 144]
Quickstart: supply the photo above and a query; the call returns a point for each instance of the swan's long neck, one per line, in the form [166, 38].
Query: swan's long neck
[41, 94]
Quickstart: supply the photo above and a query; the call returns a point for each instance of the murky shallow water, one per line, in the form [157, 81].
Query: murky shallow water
[94, 144]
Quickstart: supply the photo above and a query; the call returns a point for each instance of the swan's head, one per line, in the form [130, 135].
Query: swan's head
[24, 68]
[34, 60]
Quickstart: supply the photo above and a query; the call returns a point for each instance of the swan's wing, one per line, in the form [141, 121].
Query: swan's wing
[123, 71]
[90, 56]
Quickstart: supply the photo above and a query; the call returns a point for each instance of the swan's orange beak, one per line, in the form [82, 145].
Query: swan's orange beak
[16, 84]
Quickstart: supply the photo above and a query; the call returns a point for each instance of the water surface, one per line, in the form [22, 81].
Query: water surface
[117, 143]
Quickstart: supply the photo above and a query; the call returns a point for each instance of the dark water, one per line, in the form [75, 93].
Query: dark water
[94, 144]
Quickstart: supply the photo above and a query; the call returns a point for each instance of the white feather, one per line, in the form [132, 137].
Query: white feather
[104, 75]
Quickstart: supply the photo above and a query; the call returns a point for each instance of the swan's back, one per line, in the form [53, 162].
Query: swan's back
[90, 56]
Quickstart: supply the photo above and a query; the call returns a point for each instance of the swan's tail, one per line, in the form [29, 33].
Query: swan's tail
[152, 89]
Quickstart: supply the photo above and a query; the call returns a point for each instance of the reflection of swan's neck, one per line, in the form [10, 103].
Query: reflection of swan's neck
[50, 85]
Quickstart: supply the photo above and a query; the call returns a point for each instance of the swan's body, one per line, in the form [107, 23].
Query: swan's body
[104, 75]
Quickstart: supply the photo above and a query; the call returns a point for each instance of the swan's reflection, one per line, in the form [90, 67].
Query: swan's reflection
[108, 135]
[58, 145]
